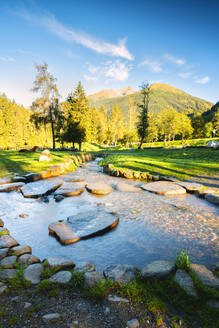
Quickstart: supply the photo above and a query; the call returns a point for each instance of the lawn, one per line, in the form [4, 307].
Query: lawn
[181, 163]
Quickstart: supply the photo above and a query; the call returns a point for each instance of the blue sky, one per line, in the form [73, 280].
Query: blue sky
[110, 44]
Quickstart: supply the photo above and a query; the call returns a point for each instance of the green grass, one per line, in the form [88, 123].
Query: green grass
[181, 163]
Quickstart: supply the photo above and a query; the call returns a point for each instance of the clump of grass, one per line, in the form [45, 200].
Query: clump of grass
[182, 260]
[77, 280]
[45, 285]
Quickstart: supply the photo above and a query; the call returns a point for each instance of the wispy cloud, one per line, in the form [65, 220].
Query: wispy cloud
[7, 59]
[174, 59]
[93, 69]
[70, 35]
[185, 75]
[155, 66]
[90, 78]
[203, 80]
[118, 70]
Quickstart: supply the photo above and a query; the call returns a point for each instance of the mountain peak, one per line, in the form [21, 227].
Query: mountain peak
[112, 93]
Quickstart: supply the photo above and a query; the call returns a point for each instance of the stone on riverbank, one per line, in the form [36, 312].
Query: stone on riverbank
[5, 180]
[8, 273]
[3, 253]
[33, 272]
[121, 273]
[164, 188]
[58, 198]
[51, 317]
[99, 189]
[6, 241]
[185, 282]
[114, 298]
[1, 223]
[191, 187]
[157, 269]
[8, 262]
[31, 177]
[4, 231]
[203, 192]
[71, 189]
[40, 188]
[28, 259]
[20, 250]
[45, 156]
[212, 198]
[125, 187]
[92, 278]
[59, 263]
[134, 323]
[11, 186]
[205, 276]
[2, 288]
[84, 267]
[62, 231]
[61, 277]
[19, 179]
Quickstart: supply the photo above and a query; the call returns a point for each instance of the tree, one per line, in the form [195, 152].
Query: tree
[168, 124]
[216, 122]
[46, 107]
[198, 124]
[152, 133]
[186, 128]
[102, 126]
[142, 125]
[116, 124]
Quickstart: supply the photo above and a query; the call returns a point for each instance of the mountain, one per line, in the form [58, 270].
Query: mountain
[111, 93]
[162, 96]
[209, 114]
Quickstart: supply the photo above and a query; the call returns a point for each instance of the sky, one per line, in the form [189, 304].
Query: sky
[110, 44]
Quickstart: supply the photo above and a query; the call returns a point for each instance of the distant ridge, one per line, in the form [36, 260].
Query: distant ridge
[162, 96]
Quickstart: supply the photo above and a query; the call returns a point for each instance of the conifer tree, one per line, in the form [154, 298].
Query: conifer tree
[142, 125]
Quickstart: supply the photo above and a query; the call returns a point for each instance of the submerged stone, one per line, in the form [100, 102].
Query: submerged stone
[125, 187]
[157, 269]
[164, 188]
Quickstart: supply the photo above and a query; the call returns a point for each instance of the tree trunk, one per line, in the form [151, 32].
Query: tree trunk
[52, 126]
[141, 142]
[79, 146]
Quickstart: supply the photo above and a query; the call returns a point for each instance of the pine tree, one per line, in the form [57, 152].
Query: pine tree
[116, 124]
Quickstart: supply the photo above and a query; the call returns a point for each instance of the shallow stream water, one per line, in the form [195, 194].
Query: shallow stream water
[151, 227]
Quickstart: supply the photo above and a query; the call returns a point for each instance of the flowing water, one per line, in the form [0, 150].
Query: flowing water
[151, 227]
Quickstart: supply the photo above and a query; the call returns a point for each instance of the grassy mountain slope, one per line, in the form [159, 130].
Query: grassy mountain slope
[162, 96]
[209, 114]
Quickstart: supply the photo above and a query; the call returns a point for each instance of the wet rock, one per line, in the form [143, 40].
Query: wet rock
[212, 198]
[191, 187]
[157, 269]
[164, 188]
[45, 156]
[62, 231]
[20, 250]
[23, 215]
[61, 277]
[5, 181]
[214, 304]
[28, 259]
[19, 179]
[8, 262]
[30, 177]
[99, 189]
[84, 267]
[27, 305]
[125, 187]
[2, 289]
[185, 282]
[1, 223]
[156, 178]
[128, 174]
[121, 273]
[92, 278]
[205, 275]
[8, 273]
[51, 317]
[134, 323]
[58, 198]
[11, 186]
[7, 241]
[33, 272]
[114, 298]
[4, 231]
[59, 262]
[75, 178]
[40, 188]
[71, 189]
[3, 253]
[203, 192]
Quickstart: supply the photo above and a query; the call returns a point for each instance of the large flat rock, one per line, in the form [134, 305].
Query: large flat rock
[7, 241]
[125, 187]
[5, 180]
[71, 189]
[212, 198]
[164, 188]
[63, 232]
[157, 269]
[59, 262]
[120, 273]
[190, 187]
[33, 272]
[99, 189]
[28, 259]
[205, 276]
[11, 186]
[40, 188]
[20, 250]
[185, 282]
[69, 177]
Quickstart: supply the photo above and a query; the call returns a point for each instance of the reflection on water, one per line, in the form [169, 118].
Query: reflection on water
[151, 227]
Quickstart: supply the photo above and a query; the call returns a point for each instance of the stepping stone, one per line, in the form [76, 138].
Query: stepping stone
[125, 187]
[5, 181]
[205, 275]
[28, 259]
[11, 186]
[51, 317]
[8, 262]
[20, 250]
[30, 177]
[19, 179]
[62, 231]
[157, 269]
[59, 262]
[69, 177]
[7, 241]
[58, 198]
[121, 273]
[33, 272]
[99, 189]
[185, 282]
[164, 188]
[190, 187]
[203, 192]
[3, 253]
[212, 198]
[4, 231]
[2, 289]
[114, 298]
[71, 189]
[8, 273]
[84, 267]
[61, 277]
[1, 223]
[92, 278]
[40, 188]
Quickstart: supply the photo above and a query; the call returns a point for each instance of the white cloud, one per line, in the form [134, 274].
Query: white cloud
[174, 59]
[7, 59]
[90, 78]
[185, 75]
[153, 65]
[93, 69]
[204, 80]
[67, 34]
[117, 70]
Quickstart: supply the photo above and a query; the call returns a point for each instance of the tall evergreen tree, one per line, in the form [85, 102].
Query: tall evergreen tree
[116, 124]
[103, 125]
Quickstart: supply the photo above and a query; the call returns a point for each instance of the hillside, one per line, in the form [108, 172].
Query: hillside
[162, 96]
[209, 114]
[111, 93]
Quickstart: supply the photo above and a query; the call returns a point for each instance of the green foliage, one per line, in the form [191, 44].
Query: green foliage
[142, 124]
[45, 285]
[77, 281]
[182, 260]
[115, 125]
[99, 291]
